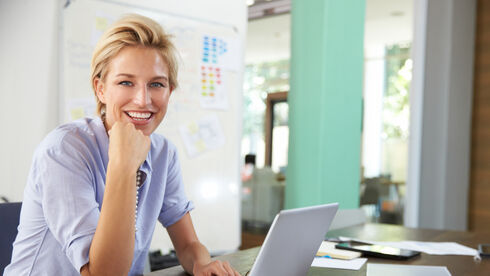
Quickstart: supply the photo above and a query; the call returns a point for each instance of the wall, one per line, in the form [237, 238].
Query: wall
[479, 208]
[268, 39]
[28, 86]
[441, 104]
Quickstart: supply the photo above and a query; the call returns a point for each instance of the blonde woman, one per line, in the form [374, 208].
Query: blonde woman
[97, 186]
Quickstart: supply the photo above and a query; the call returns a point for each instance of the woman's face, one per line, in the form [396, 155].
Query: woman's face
[136, 89]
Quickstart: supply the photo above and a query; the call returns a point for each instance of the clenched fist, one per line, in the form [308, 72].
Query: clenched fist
[128, 147]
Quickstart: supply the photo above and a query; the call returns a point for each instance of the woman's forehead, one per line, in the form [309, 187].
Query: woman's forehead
[138, 61]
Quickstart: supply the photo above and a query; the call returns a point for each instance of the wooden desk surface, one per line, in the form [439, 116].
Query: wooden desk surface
[457, 265]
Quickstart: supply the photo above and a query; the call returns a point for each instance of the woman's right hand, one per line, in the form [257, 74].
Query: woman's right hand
[128, 146]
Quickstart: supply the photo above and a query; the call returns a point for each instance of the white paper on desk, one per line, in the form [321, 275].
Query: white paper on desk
[432, 248]
[354, 264]
[406, 270]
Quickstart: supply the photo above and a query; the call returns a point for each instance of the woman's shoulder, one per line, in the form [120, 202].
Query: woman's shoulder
[162, 145]
[79, 134]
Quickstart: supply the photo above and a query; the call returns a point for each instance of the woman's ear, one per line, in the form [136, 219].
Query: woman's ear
[99, 89]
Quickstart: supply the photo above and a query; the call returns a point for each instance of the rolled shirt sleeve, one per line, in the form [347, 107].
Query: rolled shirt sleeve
[175, 204]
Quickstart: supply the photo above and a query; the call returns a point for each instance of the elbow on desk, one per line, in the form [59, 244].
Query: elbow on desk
[88, 270]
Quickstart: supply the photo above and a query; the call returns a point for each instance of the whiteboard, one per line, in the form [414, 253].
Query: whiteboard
[204, 114]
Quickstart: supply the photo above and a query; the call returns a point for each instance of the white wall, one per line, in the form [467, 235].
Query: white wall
[28, 86]
[441, 108]
[268, 39]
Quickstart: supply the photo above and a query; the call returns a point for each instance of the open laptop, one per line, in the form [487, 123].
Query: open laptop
[293, 240]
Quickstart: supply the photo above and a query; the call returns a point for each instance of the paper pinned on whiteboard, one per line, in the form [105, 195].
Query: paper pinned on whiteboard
[101, 23]
[222, 52]
[202, 135]
[79, 108]
[213, 94]
[231, 61]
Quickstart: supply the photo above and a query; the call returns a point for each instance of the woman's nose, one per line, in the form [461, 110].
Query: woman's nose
[142, 97]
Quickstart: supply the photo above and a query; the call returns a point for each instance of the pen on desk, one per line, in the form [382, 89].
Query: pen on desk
[324, 256]
[338, 239]
[333, 239]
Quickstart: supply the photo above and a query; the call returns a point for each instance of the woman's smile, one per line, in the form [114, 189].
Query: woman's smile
[136, 89]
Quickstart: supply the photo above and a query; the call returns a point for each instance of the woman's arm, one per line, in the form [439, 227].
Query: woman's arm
[112, 247]
[193, 256]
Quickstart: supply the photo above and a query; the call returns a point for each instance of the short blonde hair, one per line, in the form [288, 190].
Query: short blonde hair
[132, 30]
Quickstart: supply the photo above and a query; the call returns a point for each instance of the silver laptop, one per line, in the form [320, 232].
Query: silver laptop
[293, 240]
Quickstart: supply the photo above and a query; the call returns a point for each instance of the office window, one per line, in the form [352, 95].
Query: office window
[388, 73]
[396, 112]
[277, 131]
[260, 80]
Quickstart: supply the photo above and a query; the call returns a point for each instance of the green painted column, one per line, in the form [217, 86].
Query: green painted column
[325, 103]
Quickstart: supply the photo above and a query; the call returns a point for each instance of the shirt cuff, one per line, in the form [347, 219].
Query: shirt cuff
[175, 213]
[78, 251]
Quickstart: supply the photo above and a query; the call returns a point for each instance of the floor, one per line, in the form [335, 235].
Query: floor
[250, 239]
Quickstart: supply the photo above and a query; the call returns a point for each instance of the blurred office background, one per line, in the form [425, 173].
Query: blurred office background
[423, 153]
[387, 77]
[443, 176]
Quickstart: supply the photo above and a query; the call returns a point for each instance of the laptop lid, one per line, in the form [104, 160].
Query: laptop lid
[293, 240]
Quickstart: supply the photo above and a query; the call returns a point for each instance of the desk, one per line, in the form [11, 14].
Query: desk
[457, 265]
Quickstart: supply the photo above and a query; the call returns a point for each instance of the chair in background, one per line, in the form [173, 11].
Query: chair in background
[374, 191]
[348, 217]
[9, 218]
[263, 200]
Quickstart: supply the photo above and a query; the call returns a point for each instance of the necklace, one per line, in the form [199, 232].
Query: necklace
[138, 185]
[138, 178]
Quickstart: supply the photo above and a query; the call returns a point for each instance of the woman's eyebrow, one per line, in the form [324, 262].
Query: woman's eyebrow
[133, 76]
[125, 75]
[160, 77]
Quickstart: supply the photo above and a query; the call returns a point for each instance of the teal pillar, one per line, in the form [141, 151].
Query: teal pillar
[325, 103]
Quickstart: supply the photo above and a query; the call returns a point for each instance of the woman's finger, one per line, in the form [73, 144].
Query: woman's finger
[229, 269]
[221, 268]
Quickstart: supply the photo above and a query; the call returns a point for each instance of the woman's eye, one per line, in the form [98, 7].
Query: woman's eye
[126, 83]
[156, 85]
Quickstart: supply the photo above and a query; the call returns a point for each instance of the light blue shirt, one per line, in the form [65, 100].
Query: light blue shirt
[64, 193]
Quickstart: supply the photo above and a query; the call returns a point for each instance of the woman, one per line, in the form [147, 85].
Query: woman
[97, 186]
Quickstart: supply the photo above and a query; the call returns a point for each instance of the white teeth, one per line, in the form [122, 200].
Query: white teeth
[139, 115]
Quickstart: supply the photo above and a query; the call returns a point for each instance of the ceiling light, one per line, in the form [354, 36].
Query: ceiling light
[250, 2]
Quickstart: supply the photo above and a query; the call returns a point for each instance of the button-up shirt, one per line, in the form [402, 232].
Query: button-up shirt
[63, 198]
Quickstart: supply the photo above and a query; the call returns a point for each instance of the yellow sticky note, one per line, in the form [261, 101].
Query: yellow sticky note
[77, 113]
[200, 145]
[192, 127]
[101, 23]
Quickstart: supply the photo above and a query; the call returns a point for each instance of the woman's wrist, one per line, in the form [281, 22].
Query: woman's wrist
[122, 166]
[120, 169]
